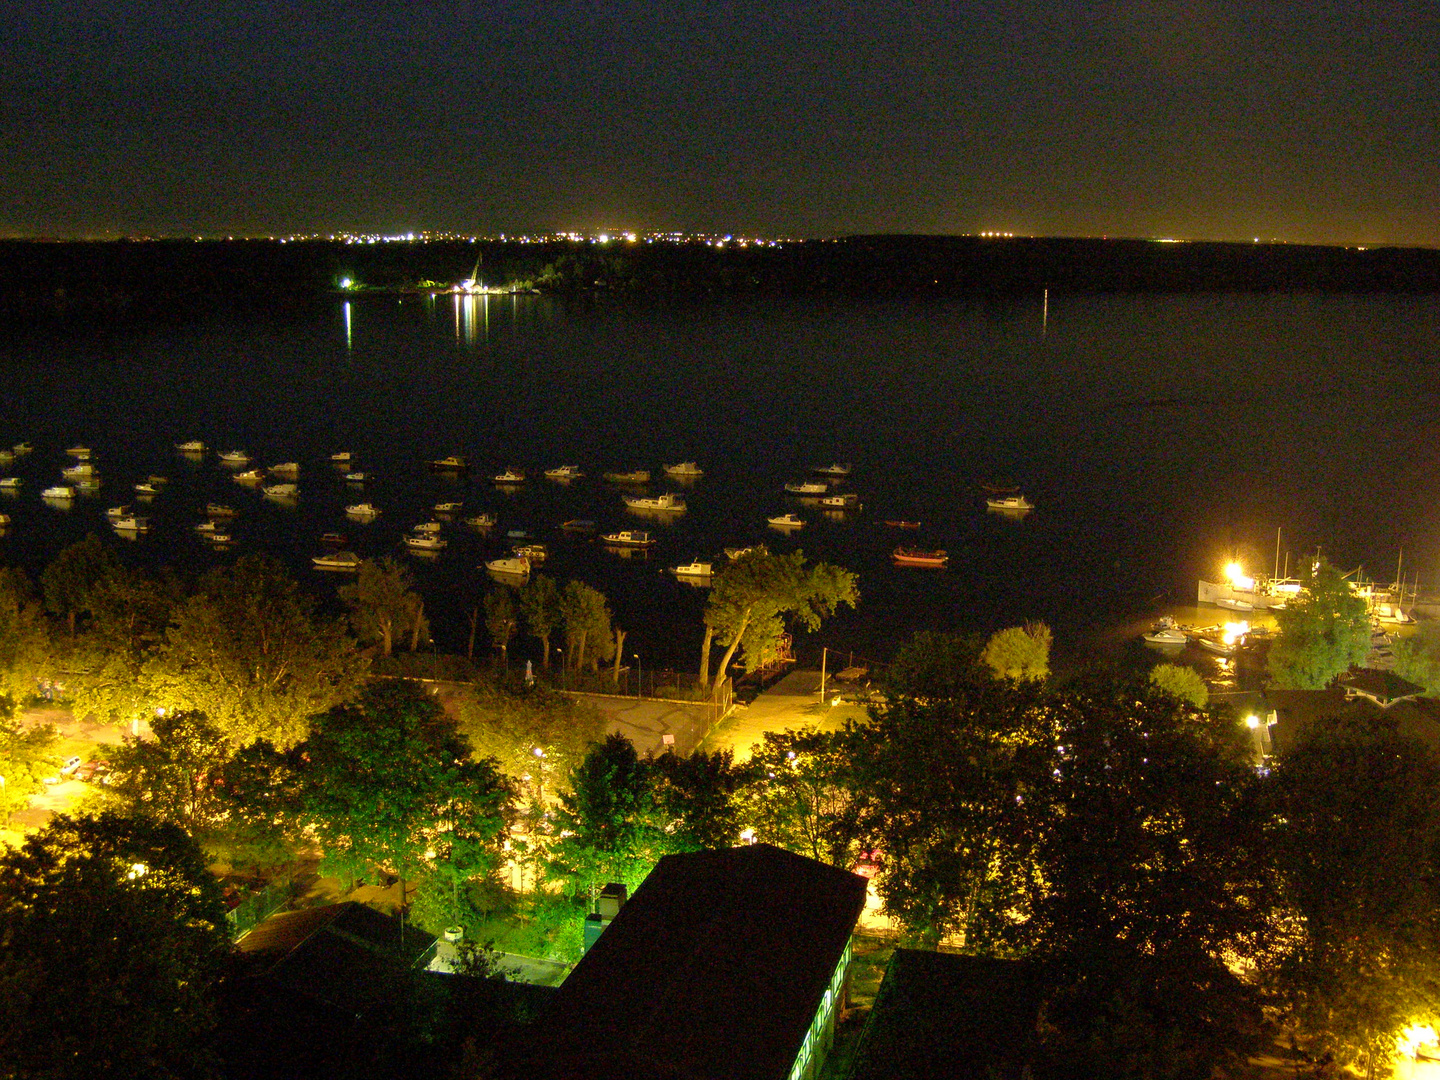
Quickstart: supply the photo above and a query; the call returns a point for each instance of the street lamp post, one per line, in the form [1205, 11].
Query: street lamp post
[639, 678]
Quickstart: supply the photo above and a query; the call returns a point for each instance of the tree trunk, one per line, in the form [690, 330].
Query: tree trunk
[580, 650]
[474, 625]
[545, 650]
[734, 644]
[415, 627]
[386, 637]
[619, 652]
[705, 657]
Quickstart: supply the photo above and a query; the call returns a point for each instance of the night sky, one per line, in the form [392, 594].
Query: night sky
[1302, 121]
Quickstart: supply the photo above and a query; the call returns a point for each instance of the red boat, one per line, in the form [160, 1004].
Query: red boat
[905, 556]
[903, 524]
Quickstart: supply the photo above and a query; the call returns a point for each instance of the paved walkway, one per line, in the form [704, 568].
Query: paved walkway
[647, 722]
[793, 702]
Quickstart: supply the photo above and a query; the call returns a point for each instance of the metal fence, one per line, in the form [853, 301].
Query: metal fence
[257, 907]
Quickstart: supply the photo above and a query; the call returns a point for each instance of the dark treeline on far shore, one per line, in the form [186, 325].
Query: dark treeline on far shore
[179, 278]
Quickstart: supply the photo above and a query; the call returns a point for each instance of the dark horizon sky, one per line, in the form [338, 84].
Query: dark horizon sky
[1312, 122]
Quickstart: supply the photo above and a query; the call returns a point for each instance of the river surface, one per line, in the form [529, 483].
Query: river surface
[1157, 436]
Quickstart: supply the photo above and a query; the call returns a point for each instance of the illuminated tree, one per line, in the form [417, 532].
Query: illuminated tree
[105, 671]
[1180, 682]
[1021, 652]
[172, 776]
[536, 734]
[24, 639]
[587, 625]
[801, 795]
[500, 618]
[540, 604]
[758, 594]
[27, 757]
[72, 575]
[610, 829]
[114, 939]
[248, 650]
[1323, 631]
[700, 798]
[383, 603]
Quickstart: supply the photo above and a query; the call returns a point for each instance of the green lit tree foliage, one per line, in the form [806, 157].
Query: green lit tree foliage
[106, 670]
[801, 795]
[248, 650]
[701, 799]
[383, 604]
[27, 756]
[24, 639]
[610, 827]
[1181, 682]
[936, 665]
[1020, 652]
[537, 735]
[176, 776]
[1149, 884]
[71, 578]
[755, 598]
[114, 938]
[1356, 836]
[388, 782]
[588, 632]
[540, 605]
[1417, 657]
[1323, 631]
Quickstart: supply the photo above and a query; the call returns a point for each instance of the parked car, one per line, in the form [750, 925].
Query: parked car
[71, 764]
[94, 771]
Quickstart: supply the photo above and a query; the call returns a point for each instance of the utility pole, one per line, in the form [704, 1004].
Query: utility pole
[824, 655]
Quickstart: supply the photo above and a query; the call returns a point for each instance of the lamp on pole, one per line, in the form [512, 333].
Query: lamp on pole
[639, 678]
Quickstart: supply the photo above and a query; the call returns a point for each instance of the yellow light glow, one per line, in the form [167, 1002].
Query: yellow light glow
[1234, 631]
[1252, 721]
[1414, 1037]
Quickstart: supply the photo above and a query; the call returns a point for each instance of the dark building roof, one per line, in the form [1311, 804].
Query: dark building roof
[1384, 687]
[941, 1015]
[1295, 710]
[715, 968]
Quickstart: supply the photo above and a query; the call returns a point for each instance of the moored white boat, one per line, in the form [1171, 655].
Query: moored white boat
[448, 507]
[634, 476]
[1166, 632]
[536, 553]
[564, 472]
[684, 468]
[1009, 502]
[118, 512]
[806, 487]
[518, 566]
[251, 476]
[355, 477]
[425, 541]
[834, 469]
[208, 528]
[628, 538]
[909, 556]
[145, 487]
[193, 446]
[82, 471]
[481, 521]
[130, 524]
[668, 502]
[429, 528]
[220, 510]
[234, 457]
[337, 560]
[695, 569]
[58, 492]
[787, 521]
[81, 452]
[362, 510]
[453, 463]
[22, 447]
[511, 476]
[290, 469]
[9, 483]
[847, 501]
[341, 457]
[281, 491]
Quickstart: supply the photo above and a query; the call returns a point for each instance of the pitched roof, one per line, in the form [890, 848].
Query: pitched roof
[938, 1014]
[715, 968]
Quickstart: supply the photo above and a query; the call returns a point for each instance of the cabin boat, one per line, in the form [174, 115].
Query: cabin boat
[482, 521]
[511, 476]
[425, 541]
[536, 553]
[289, 469]
[668, 502]
[220, 510]
[634, 476]
[847, 501]
[146, 487]
[234, 457]
[251, 476]
[281, 491]
[354, 477]
[564, 472]
[834, 469]
[427, 528]
[341, 457]
[453, 463]
[1009, 502]
[59, 491]
[807, 487]
[362, 510]
[578, 525]
[22, 447]
[448, 507]
[81, 471]
[333, 539]
[118, 512]
[695, 569]
[9, 483]
[684, 469]
[130, 524]
[194, 446]
[337, 560]
[908, 556]
[629, 538]
[787, 521]
[81, 452]
[207, 528]
[518, 566]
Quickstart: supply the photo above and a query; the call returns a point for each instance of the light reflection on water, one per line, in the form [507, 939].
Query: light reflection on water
[1157, 437]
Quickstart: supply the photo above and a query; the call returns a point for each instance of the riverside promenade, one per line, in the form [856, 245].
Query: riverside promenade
[793, 702]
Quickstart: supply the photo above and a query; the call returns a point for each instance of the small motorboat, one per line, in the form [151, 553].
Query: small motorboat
[281, 491]
[427, 528]
[216, 539]
[341, 457]
[425, 541]
[481, 521]
[510, 476]
[58, 493]
[1010, 503]
[337, 560]
[362, 510]
[82, 471]
[578, 525]
[118, 512]
[22, 447]
[1166, 632]
[536, 553]
[81, 452]
[684, 469]
[130, 524]
[354, 477]
[848, 501]
[806, 487]
[517, 534]
[834, 469]
[628, 538]
[667, 502]
[695, 569]
[332, 539]
[146, 487]
[903, 524]
[634, 476]
[207, 528]
[220, 510]
[234, 457]
[453, 463]
[9, 483]
[288, 469]
[1233, 604]
[564, 472]
[448, 507]
[194, 446]
[787, 521]
[518, 566]
[909, 556]
[251, 476]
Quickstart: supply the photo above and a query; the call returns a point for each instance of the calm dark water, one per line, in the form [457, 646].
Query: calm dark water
[1157, 436]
